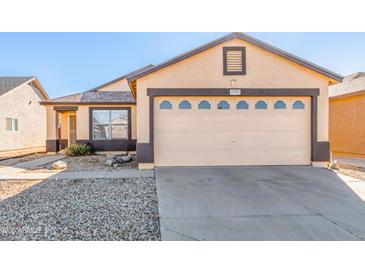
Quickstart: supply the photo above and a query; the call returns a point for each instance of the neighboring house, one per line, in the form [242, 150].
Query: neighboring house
[22, 118]
[347, 116]
[234, 101]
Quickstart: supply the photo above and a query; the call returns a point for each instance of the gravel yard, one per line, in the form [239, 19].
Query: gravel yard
[356, 172]
[87, 163]
[87, 209]
[18, 160]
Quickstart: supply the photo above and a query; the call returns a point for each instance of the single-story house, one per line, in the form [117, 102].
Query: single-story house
[233, 101]
[347, 116]
[22, 118]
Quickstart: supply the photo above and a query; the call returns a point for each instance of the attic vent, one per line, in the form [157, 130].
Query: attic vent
[234, 61]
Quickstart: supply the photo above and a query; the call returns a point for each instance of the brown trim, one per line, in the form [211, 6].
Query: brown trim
[65, 108]
[319, 150]
[63, 143]
[52, 145]
[243, 52]
[110, 108]
[250, 40]
[111, 145]
[87, 103]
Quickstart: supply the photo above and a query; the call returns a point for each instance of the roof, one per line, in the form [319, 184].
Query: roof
[351, 85]
[11, 82]
[98, 97]
[246, 38]
[131, 74]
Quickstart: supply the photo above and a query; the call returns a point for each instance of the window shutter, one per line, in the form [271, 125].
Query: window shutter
[234, 60]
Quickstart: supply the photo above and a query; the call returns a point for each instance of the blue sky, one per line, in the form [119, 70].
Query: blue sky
[66, 63]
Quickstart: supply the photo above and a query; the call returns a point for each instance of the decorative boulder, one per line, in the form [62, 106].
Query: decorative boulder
[124, 159]
[109, 162]
[59, 165]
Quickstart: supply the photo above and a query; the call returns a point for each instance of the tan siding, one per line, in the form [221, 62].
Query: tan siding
[121, 85]
[22, 103]
[347, 130]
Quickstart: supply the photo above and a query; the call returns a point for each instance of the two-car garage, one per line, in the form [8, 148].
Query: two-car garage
[219, 131]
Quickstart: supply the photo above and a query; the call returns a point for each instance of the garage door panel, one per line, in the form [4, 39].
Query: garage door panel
[232, 137]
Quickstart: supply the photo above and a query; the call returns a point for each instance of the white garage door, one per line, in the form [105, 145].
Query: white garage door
[219, 131]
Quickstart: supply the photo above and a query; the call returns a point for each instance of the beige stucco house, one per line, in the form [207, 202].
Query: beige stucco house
[234, 101]
[22, 118]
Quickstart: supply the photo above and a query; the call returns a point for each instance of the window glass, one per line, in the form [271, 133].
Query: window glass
[15, 124]
[184, 105]
[242, 105]
[298, 105]
[110, 124]
[165, 105]
[261, 105]
[101, 116]
[204, 105]
[279, 105]
[223, 105]
[8, 124]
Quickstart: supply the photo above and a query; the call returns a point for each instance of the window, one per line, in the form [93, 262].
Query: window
[204, 105]
[110, 124]
[234, 61]
[223, 105]
[184, 105]
[242, 105]
[165, 105]
[279, 105]
[11, 124]
[261, 105]
[298, 105]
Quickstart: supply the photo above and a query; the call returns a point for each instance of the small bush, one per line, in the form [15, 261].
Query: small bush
[78, 150]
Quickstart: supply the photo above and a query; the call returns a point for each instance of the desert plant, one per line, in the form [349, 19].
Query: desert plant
[78, 150]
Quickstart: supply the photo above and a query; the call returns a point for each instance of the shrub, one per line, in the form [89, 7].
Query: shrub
[78, 150]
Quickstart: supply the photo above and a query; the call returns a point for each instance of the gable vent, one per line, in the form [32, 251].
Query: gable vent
[234, 61]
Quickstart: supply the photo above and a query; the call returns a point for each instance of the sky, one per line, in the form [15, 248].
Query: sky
[67, 63]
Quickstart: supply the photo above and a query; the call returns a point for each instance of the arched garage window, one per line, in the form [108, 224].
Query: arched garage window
[204, 105]
[261, 105]
[242, 105]
[185, 105]
[223, 105]
[279, 105]
[165, 105]
[298, 105]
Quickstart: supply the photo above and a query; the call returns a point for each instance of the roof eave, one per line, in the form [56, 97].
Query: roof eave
[249, 39]
[86, 103]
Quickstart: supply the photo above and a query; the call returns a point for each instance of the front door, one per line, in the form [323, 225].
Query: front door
[71, 130]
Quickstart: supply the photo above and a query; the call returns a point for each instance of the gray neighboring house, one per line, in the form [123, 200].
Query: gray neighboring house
[22, 118]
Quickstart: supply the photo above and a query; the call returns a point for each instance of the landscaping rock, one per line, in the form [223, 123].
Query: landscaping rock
[109, 162]
[124, 159]
[59, 165]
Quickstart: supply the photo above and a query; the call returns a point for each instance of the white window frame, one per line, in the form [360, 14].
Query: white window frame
[14, 124]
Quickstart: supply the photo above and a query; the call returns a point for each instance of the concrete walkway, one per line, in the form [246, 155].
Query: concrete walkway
[356, 162]
[128, 173]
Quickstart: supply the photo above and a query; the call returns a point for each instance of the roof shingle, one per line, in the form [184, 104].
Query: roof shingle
[96, 97]
[352, 83]
[9, 83]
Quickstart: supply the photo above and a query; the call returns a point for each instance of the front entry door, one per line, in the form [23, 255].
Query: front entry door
[71, 130]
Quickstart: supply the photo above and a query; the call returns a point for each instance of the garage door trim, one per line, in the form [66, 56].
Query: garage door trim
[319, 150]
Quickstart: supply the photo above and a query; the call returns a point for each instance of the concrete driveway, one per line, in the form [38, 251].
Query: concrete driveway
[259, 203]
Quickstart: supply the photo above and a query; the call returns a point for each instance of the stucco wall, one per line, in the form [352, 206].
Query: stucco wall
[121, 85]
[22, 103]
[205, 70]
[82, 121]
[347, 130]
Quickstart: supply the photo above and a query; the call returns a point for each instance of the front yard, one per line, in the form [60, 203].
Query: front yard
[79, 209]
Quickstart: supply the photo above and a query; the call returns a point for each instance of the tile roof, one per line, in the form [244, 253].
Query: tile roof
[96, 97]
[9, 83]
[352, 83]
